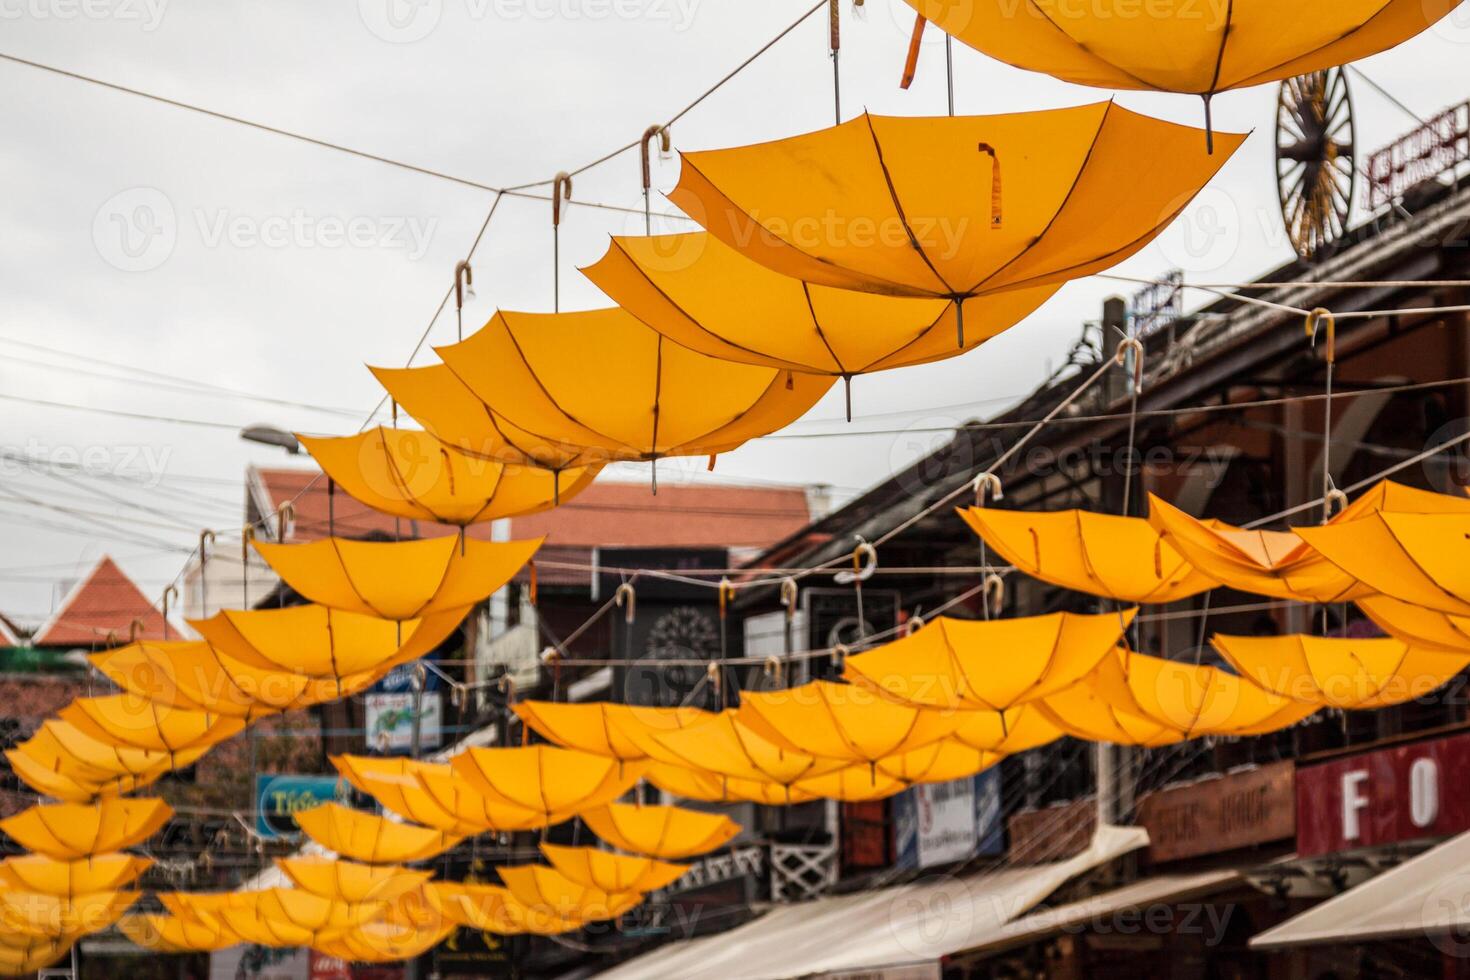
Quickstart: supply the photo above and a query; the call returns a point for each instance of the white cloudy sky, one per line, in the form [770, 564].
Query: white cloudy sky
[498, 91]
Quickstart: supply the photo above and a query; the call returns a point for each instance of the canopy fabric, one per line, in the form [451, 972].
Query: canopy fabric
[546, 780]
[879, 929]
[1007, 732]
[602, 380]
[667, 832]
[842, 721]
[1425, 896]
[78, 755]
[1203, 700]
[1417, 626]
[931, 191]
[65, 831]
[172, 934]
[378, 942]
[371, 839]
[704, 295]
[412, 474]
[280, 917]
[400, 785]
[72, 877]
[859, 783]
[940, 762]
[493, 909]
[46, 781]
[1122, 558]
[1180, 48]
[619, 731]
[129, 720]
[398, 580]
[611, 873]
[710, 787]
[350, 882]
[1101, 708]
[728, 747]
[469, 807]
[321, 642]
[1340, 672]
[42, 915]
[992, 665]
[547, 890]
[1410, 557]
[35, 953]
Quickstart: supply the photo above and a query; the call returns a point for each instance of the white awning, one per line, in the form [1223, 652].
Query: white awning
[1427, 894]
[868, 931]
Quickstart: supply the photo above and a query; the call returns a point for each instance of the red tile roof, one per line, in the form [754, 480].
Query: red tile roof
[105, 602]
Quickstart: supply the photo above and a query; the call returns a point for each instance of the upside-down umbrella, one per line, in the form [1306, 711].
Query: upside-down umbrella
[1007, 732]
[941, 762]
[350, 882]
[382, 942]
[371, 839]
[1417, 558]
[1121, 558]
[1417, 626]
[544, 779]
[842, 721]
[70, 751]
[70, 878]
[704, 295]
[1182, 47]
[493, 909]
[65, 831]
[39, 914]
[1340, 672]
[398, 580]
[546, 889]
[726, 746]
[854, 784]
[143, 723]
[988, 664]
[1101, 708]
[25, 954]
[402, 786]
[289, 917]
[612, 873]
[412, 474]
[170, 933]
[46, 780]
[667, 832]
[710, 787]
[320, 642]
[618, 731]
[1197, 699]
[916, 206]
[601, 380]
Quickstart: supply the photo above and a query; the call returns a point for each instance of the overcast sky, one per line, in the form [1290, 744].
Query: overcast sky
[142, 235]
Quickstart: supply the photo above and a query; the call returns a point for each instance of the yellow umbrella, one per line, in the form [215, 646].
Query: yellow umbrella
[66, 831]
[127, 720]
[173, 934]
[1417, 626]
[38, 914]
[493, 909]
[350, 882]
[379, 942]
[1101, 708]
[411, 474]
[202, 907]
[320, 642]
[46, 781]
[78, 755]
[398, 580]
[549, 891]
[1202, 700]
[399, 785]
[941, 762]
[667, 832]
[600, 380]
[710, 787]
[288, 917]
[842, 721]
[611, 873]
[854, 784]
[1411, 557]
[900, 206]
[371, 839]
[1339, 672]
[704, 295]
[70, 878]
[550, 781]
[988, 664]
[1121, 558]
[727, 746]
[618, 731]
[1007, 732]
[35, 953]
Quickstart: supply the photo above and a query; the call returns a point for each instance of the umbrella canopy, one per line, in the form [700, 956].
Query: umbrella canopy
[398, 580]
[65, 831]
[142, 723]
[988, 664]
[1416, 558]
[43, 777]
[611, 873]
[1122, 558]
[323, 643]
[32, 953]
[601, 380]
[72, 752]
[854, 784]
[702, 294]
[1101, 708]
[350, 882]
[667, 832]
[915, 206]
[281, 917]
[493, 909]
[174, 934]
[1201, 700]
[842, 721]
[371, 839]
[727, 746]
[70, 878]
[38, 914]
[710, 787]
[380, 942]
[1340, 672]
[1417, 626]
[549, 891]
[1007, 732]
[399, 785]
[549, 781]
[941, 762]
[411, 474]
[618, 731]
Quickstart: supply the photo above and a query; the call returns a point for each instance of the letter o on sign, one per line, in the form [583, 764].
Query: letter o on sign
[1423, 792]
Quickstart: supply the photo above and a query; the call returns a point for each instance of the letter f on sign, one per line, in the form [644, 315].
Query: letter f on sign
[1353, 800]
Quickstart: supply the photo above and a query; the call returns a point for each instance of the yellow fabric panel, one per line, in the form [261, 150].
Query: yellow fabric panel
[691, 784]
[65, 831]
[842, 721]
[398, 580]
[611, 873]
[321, 642]
[759, 791]
[1189, 48]
[548, 891]
[729, 747]
[1339, 672]
[1101, 708]
[80, 754]
[350, 882]
[1417, 558]
[1007, 732]
[470, 808]
[544, 779]
[172, 934]
[36, 953]
[1202, 700]
[988, 664]
[130, 720]
[202, 907]
[1417, 626]
[38, 914]
[399, 784]
[941, 762]
[308, 911]
[411, 474]
[493, 909]
[702, 294]
[667, 832]
[197, 676]
[618, 731]
[46, 781]
[69, 878]
[371, 839]
[858, 783]
[1121, 558]
[377, 942]
[884, 185]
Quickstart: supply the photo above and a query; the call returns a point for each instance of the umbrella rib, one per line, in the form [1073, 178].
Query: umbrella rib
[1116, 67]
[658, 391]
[806, 291]
[398, 479]
[1220, 55]
[347, 574]
[923, 332]
[898, 205]
[520, 352]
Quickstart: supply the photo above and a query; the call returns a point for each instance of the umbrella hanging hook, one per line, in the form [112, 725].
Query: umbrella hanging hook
[170, 592]
[834, 28]
[662, 134]
[561, 190]
[915, 623]
[246, 536]
[626, 599]
[987, 484]
[206, 541]
[994, 593]
[285, 517]
[464, 288]
[864, 564]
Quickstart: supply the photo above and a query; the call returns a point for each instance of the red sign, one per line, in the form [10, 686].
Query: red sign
[1397, 794]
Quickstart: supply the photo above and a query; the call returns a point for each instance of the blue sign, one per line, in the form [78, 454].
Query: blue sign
[941, 823]
[278, 797]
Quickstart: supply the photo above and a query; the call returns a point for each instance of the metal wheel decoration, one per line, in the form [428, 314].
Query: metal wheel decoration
[1316, 172]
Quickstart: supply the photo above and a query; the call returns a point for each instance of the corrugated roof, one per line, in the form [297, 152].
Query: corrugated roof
[105, 602]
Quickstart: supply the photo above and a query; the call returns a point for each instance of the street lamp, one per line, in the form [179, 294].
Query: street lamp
[269, 435]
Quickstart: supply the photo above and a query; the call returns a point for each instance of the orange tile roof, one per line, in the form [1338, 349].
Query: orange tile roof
[105, 602]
